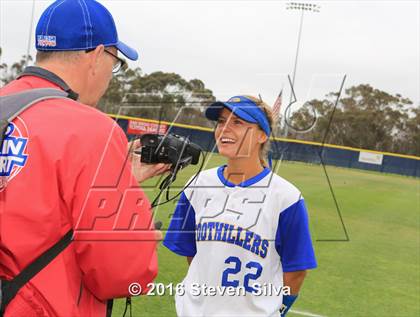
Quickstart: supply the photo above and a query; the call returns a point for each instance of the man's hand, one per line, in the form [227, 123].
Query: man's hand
[158, 233]
[142, 171]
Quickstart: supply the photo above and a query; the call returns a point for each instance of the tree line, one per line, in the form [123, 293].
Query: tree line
[365, 117]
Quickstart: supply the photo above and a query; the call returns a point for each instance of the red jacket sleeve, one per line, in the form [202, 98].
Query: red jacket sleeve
[114, 235]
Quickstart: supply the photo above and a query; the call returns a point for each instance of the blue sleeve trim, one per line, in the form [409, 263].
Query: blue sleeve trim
[175, 249]
[180, 237]
[293, 240]
[301, 267]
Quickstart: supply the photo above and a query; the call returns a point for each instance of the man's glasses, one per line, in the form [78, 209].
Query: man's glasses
[121, 64]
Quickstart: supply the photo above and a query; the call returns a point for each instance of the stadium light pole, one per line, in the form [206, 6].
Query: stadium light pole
[302, 7]
[31, 27]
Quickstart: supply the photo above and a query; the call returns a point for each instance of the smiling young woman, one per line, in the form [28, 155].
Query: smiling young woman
[243, 143]
[241, 226]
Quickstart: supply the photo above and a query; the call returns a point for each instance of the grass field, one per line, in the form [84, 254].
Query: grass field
[375, 273]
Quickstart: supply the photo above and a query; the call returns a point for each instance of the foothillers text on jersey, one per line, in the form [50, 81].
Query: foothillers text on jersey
[225, 232]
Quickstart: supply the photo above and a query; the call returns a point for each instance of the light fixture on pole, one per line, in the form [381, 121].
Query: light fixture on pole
[310, 7]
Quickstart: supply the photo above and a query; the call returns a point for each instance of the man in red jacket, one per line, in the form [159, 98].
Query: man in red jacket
[70, 171]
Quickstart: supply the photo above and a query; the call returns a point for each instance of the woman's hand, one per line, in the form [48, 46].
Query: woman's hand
[143, 171]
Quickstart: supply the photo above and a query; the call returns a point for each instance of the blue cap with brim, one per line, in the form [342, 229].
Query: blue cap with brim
[128, 52]
[242, 107]
[69, 25]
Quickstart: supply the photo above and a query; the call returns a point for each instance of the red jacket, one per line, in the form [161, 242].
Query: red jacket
[72, 173]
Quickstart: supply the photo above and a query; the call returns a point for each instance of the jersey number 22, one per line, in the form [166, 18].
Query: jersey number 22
[254, 268]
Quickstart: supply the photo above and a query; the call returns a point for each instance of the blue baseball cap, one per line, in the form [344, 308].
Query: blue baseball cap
[242, 107]
[75, 25]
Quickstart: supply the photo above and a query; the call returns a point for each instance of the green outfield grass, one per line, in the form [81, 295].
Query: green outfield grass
[375, 273]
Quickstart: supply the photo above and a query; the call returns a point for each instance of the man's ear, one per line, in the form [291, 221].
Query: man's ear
[95, 58]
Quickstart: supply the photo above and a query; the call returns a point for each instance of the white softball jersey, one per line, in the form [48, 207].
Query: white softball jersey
[242, 238]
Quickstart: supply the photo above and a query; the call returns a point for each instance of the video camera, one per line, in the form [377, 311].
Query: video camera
[169, 149]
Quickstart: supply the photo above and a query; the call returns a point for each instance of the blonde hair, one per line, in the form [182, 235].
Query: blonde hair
[265, 148]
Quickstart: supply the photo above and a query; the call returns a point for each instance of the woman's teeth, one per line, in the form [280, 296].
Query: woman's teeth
[227, 140]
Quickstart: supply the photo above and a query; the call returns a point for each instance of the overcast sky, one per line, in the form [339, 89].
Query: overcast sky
[239, 47]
